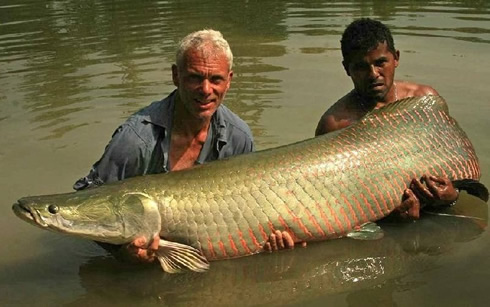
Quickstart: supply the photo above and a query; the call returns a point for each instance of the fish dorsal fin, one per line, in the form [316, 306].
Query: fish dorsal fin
[176, 258]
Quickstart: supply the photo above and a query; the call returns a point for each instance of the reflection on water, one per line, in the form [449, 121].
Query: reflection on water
[313, 273]
[71, 71]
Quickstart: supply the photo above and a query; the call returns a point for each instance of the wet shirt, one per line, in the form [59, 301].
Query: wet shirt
[141, 145]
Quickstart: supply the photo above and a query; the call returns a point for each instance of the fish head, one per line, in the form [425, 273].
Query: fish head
[103, 217]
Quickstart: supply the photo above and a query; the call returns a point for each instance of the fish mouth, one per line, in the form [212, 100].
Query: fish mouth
[28, 214]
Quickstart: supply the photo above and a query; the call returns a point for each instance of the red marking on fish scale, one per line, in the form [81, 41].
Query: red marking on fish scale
[299, 222]
[438, 144]
[372, 197]
[453, 173]
[465, 169]
[430, 115]
[286, 227]
[222, 248]
[400, 176]
[254, 238]
[417, 167]
[349, 206]
[445, 115]
[471, 166]
[334, 215]
[418, 114]
[344, 215]
[477, 168]
[454, 161]
[394, 120]
[430, 157]
[401, 115]
[315, 223]
[410, 115]
[263, 233]
[244, 243]
[364, 217]
[379, 120]
[358, 136]
[391, 201]
[440, 113]
[325, 220]
[233, 245]
[451, 156]
[404, 146]
[473, 160]
[368, 206]
[211, 248]
[383, 200]
[400, 188]
[389, 120]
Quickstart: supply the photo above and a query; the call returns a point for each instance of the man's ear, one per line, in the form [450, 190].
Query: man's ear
[397, 57]
[346, 67]
[230, 76]
[175, 75]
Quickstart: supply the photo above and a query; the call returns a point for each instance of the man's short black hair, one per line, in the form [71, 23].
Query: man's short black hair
[363, 35]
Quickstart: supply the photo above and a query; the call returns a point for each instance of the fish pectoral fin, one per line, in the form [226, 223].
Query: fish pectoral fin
[367, 231]
[176, 257]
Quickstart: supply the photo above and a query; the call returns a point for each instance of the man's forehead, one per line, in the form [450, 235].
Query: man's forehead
[380, 50]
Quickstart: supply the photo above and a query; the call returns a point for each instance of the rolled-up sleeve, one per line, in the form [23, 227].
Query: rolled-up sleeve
[123, 157]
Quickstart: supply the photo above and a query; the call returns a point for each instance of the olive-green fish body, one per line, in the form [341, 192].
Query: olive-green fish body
[322, 188]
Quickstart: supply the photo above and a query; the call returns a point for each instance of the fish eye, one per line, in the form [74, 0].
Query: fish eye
[53, 209]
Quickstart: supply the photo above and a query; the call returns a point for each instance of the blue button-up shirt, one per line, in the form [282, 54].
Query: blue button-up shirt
[141, 145]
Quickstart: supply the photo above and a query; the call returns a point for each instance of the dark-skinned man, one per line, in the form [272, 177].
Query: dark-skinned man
[370, 60]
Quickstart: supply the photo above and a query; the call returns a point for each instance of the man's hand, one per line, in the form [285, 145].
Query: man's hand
[434, 191]
[137, 251]
[280, 240]
[410, 207]
[429, 190]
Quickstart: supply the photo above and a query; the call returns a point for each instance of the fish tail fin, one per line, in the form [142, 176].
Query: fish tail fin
[473, 187]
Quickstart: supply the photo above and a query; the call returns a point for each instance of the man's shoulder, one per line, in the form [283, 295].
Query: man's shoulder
[338, 115]
[412, 89]
[231, 119]
[142, 122]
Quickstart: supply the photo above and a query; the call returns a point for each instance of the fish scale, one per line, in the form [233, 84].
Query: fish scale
[319, 188]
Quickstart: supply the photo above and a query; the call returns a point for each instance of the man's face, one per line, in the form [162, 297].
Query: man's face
[202, 82]
[373, 72]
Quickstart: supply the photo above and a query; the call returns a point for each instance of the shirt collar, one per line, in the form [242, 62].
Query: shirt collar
[163, 113]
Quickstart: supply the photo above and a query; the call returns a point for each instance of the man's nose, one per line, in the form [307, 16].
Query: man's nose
[373, 71]
[206, 87]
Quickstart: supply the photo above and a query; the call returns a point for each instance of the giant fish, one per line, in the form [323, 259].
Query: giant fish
[322, 188]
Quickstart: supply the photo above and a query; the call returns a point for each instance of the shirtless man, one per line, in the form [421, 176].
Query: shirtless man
[370, 60]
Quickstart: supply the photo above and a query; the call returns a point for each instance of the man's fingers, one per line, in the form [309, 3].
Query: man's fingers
[279, 240]
[288, 241]
[410, 206]
[414, 210]
[267, 247]
[272, 242]
[139, 242]
[420, 190]
[155, 243]
[146, 256]
[440, 180]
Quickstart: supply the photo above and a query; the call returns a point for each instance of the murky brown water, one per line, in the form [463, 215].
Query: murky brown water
[71, 71]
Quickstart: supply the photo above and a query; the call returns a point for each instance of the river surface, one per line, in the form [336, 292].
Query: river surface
[72, 71]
